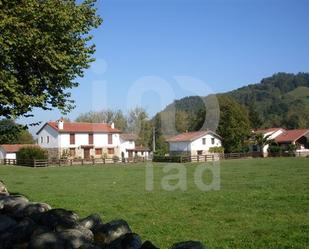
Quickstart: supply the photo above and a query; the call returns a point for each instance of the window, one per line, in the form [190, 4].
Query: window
[200, 152]
[90, 138]
[212, 140]
[142, 153]
[41, 140]
[98, 152]
[110, 151]
[110, 138]
[72, 138]
[72, 152]
[204, 141]
[47, 139]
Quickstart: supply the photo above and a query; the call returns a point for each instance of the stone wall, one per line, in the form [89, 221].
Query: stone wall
[31, 225]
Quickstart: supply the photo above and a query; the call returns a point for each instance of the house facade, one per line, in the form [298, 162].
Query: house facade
[8, 151]
[79, 140]
[130, 150]
[193, 143]
[85, 140]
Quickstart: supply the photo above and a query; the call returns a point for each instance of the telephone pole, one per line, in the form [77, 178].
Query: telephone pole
[154, 139]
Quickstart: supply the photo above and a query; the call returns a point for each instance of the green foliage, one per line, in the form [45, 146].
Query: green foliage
[281, 100]
[274, 148]
[116, 158]
[32, 152]
[216, 150]
[12, 133]
[167, 159]
[234, 125]
[44, 46]
[105, 116]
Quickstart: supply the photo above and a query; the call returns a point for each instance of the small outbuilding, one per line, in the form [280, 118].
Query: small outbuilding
[8, 151]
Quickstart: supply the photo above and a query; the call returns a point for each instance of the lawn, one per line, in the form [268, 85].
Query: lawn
[262, 203]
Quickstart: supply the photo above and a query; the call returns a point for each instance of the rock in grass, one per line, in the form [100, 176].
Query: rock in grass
[91, 222]
[74, 238]
[111, 231]
[18, 235]
[34, 208]
[188, 245]
[148, 245]
[126, 241]
[87, 232]
[9, 203]
[6, 222]
[3, 189]
[57, 217]
[48, 240]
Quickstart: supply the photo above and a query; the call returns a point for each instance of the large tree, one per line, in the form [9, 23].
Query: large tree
[44, 47]
[12, 133]
[234, 124]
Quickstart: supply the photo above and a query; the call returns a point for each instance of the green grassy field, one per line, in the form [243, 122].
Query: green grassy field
[263, 203]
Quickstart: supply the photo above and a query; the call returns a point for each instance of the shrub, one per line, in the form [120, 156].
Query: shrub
[116, 159]
[32, 152]
[216, 150]
[274, 149]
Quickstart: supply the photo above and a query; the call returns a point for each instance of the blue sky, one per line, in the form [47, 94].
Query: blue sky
[225, 44]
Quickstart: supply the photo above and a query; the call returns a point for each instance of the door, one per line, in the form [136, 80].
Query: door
[86, 153]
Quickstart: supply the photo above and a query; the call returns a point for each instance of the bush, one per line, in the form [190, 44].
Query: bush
[31, 153]
[274, 149]
[170, 159]
[216, 150]
[115, 159]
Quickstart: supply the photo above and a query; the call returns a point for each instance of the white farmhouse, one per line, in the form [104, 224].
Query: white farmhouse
[87, 140]
[79, 140]
[194, 143]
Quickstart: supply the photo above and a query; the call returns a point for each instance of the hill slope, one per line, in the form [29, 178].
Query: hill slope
[280, 100]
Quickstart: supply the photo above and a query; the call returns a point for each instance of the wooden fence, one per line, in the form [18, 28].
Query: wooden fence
[69, 162]
[226, 156]
[169, 159]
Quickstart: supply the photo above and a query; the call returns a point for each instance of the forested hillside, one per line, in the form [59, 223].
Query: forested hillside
[280, 100]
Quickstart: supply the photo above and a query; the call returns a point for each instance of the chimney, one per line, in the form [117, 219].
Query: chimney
[113, 125]
[60, 124]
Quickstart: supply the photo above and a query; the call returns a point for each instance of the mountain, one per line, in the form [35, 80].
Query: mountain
[281, 100]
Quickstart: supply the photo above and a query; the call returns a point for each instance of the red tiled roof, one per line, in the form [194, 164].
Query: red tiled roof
[128, 136]
[190, 136]
[11, 148]
[82, 127]
[291, 135]
[267, 130]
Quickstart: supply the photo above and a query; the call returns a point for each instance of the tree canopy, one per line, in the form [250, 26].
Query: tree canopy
[44, 47]
[12, 133]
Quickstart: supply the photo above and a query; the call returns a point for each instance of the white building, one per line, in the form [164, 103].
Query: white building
[129, 148]
[84, 140]
[284, 138]
[79, 140]
[194, 143]
[8, 151]
[271, 134]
